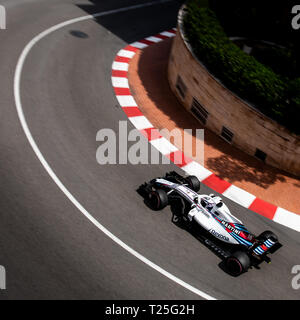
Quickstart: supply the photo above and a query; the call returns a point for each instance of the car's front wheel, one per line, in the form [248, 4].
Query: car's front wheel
[193, 183]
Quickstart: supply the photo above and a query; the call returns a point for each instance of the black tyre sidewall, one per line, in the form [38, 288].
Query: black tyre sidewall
[193, 183]
[158, 199]
[238, 263]
[267, 235]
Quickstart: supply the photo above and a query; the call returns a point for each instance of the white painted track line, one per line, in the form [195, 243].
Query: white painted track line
[140, 122]
[239, 196]
[164, 146]
[19, 108]
[139, 45]
[167, 34]
[154, 39]
[287, 218]
[194, 168]
[126, 53]
[121, 66]
[120, 82]
[126, 101]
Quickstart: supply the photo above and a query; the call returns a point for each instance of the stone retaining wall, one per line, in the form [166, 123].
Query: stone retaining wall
[226, 114]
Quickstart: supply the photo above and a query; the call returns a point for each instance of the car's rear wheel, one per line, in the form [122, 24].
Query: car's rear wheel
[193, 183]
[268, 235]
[178, 206]
[158, 199]
[238, 263]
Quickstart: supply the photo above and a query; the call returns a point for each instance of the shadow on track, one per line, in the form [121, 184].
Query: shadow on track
[153, 19]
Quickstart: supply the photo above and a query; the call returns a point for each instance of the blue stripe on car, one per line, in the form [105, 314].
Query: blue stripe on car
[240, 239]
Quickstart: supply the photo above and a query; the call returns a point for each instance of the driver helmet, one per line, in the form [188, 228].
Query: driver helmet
[207, 203]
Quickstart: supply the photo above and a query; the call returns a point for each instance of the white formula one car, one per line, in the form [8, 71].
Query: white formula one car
[220, 230]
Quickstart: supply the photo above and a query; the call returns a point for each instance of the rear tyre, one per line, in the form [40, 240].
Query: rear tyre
[238, 263]
[158, 199]
[177, 207]
[193, 183]
[268, 235]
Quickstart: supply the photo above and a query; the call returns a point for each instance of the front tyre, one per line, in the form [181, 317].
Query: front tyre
[193, 183]
[238, 263]
[158, 199]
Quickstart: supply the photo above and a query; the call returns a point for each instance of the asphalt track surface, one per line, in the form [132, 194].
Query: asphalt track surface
[49, 249]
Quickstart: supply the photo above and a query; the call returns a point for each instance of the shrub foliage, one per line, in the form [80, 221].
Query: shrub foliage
[273, 94]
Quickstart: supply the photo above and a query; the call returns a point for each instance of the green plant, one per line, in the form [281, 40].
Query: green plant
[253, 81]
[280, 60]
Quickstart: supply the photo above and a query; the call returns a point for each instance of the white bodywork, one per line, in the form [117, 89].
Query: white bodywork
[210, 213]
